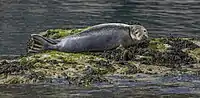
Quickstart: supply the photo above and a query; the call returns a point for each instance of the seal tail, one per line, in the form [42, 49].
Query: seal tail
[39, 43]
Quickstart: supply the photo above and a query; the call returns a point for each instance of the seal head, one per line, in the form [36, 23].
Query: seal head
[138, 32]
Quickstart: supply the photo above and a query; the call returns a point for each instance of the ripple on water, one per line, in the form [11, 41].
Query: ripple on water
[21, 18]
[187, 86]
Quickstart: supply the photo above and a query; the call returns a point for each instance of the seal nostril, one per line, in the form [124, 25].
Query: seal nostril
[145, 37]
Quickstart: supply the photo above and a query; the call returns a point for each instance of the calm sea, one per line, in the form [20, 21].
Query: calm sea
[20, 18]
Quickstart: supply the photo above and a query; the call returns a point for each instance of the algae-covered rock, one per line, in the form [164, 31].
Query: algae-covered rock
[55, 67]
[195, 53]
[59, 33]
[159, 44]
[161, 56]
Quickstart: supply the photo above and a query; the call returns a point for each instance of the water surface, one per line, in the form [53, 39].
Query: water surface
[182, 86]
[20, 18]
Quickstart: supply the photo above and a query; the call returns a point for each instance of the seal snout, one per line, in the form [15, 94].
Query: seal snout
[145, 37]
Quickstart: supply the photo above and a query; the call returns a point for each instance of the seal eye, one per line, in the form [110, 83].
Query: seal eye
[145, 30]
[136, 32]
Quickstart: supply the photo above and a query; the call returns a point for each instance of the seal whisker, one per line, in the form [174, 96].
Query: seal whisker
[31, 51]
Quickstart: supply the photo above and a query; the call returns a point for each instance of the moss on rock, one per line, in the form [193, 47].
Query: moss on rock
[195, 53]
[159, 56]
[159, 45]
[60, 33]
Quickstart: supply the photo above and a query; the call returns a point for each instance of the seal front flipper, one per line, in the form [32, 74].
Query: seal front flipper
[39, 43]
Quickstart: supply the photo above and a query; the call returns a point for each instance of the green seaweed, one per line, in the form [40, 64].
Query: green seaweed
[60, 33]
[159, 44]
[195, 53]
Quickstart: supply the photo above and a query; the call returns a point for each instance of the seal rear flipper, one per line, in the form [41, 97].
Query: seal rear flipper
[39, 43]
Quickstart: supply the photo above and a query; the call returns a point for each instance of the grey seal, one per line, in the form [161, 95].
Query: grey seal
[95, 39]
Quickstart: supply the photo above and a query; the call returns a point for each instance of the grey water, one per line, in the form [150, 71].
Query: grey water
[182, 86]
[20, 18]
